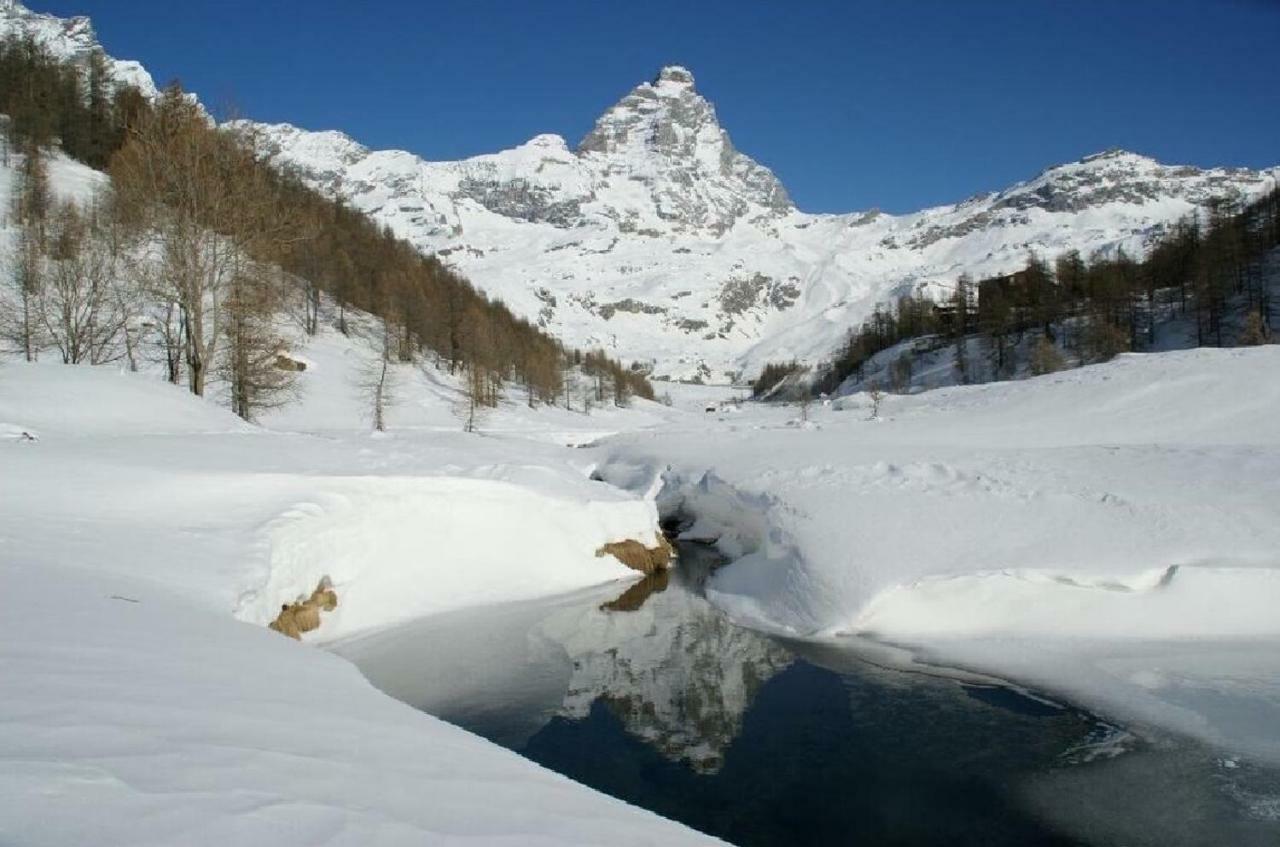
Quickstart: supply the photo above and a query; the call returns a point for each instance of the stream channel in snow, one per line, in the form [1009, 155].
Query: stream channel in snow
[651, 694]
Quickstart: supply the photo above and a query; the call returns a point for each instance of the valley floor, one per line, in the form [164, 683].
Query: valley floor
[1109, 533]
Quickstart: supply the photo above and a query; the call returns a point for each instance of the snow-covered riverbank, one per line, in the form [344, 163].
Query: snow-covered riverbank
[147, 536]
[1107, 534]
[1110, 533]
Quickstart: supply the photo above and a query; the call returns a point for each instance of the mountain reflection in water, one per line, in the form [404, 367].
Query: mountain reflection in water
[650, 694]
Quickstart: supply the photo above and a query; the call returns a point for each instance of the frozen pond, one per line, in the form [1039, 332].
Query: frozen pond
[651, 695]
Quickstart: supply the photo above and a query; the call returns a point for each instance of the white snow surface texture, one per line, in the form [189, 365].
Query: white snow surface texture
[146, 538]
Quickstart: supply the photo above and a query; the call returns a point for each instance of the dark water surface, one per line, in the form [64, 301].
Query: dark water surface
[649, 694]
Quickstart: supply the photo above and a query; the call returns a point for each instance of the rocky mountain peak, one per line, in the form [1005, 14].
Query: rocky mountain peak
[666, 116]
[1121, 176]
[666, 135]
[674, 75]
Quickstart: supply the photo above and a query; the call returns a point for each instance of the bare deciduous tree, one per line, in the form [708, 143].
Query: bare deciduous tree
[20, 326]
[209, 207]
[259, 376]
[877, 397]
[377, 381]
[80, 302]
[476, 391]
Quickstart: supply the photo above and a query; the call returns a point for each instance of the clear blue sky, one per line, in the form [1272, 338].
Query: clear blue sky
[898, 105]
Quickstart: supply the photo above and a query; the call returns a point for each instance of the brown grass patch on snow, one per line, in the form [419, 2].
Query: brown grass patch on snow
[638, 557]
[304, 615]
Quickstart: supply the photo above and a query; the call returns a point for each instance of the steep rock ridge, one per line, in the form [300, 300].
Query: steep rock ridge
[665, 135]
[1118, 176]
[1104, 181]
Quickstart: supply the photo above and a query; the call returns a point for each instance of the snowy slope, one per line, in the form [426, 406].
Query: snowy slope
[1123, 518]
[139, 720]
[1109, 533]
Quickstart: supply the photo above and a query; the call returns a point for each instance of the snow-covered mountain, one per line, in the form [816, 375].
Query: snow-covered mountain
[659, 241]
[71, 39]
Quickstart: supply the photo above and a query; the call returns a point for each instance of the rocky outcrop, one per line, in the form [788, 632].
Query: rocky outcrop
[637, 556]
[665, 136]
[517, 198]
[303, 615]
[285, 362]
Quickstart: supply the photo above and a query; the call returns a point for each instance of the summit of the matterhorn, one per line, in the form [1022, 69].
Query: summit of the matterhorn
[665, 135]
[663, 117]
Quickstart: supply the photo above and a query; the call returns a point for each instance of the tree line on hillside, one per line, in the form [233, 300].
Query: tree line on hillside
[200, 246]
[46, 101]
[1206, 270]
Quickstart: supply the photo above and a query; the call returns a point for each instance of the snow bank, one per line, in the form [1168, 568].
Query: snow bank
[1200, 396]
[1079, 479]
[1189, 601]
[1136, 500]
[404, 548]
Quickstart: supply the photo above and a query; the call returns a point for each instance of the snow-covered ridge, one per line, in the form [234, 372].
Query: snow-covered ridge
[70, 39]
